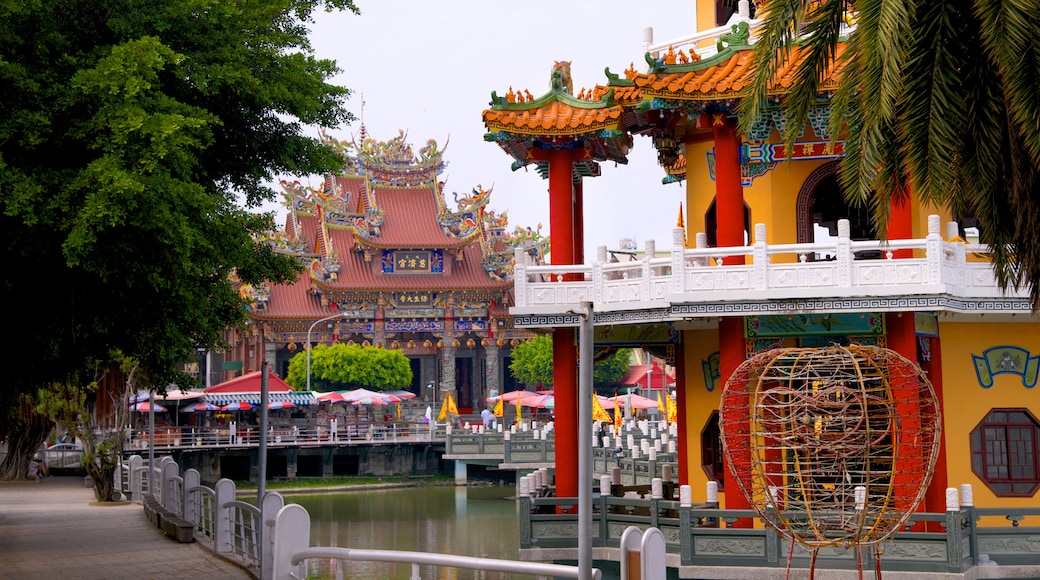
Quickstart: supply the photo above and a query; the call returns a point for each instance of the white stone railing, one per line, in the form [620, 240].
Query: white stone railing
[937, 275]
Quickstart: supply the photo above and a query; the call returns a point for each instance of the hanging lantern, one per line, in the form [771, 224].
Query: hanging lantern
[833, 447]
[411, 345]
[365, 343]
[291, 347]
[484, 342]
[455, 343]
[395, 345]
[471, 343]
[350, 342]
[440, 344]
[514, 343]
[500, 342]
[427, 344]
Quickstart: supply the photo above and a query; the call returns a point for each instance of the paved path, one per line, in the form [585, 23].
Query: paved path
[52, 529]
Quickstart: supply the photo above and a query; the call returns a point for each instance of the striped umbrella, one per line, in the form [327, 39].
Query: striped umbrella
[142, 407]
[200, 406]
[238, 406]
[280, 405]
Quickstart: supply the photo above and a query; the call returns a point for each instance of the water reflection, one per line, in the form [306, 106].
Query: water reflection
[467, 521]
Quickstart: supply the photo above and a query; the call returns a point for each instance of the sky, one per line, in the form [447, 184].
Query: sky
[429, 68]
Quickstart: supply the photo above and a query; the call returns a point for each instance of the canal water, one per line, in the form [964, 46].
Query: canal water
[478, 521]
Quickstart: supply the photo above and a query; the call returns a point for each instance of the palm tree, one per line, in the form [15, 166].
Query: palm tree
[937, 98]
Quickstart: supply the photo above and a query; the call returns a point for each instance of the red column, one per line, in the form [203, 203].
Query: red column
[935, 497]
[729, 212]
[729, 193]
[579, 224]
[565, 353]
[732, 352]
[902, 338]
[901, 224]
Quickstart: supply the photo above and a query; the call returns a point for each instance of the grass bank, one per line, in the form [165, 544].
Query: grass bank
[348, 482]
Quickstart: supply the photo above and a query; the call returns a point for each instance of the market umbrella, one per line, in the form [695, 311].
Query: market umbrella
[357, 396]
[401, 394]
[512, 396]
[200, 406]
[369, 400]
[238, 406]
[637, 401]
[539, 402]
[142, 407]
[331, 397]
[276, 405]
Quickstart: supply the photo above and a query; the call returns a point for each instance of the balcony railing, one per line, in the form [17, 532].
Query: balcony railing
[839, 274]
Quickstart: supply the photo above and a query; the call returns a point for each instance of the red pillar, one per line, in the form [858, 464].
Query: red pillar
[935, 497]
[579, 224]
[565, 353]
[729, 193]
[902, 338]
[900, 224]
[729, 212]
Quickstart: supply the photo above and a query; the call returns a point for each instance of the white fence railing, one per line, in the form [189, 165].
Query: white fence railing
[840, 267]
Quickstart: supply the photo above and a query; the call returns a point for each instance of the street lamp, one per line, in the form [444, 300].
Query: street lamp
[309, 330]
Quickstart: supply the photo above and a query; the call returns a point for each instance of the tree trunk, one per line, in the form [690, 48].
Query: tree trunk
[104, 482]
[21, 446]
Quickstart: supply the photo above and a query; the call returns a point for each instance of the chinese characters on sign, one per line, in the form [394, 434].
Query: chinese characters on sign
[413, 261]
[414, 299]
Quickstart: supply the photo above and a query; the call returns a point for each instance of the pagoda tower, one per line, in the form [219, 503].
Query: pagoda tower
[564, 137]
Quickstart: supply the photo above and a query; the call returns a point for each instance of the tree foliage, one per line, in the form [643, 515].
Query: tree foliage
[135, 137]
[937, 99]
[532, 363]
[349, 366]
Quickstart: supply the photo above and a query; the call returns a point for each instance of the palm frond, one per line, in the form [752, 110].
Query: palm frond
[777, 36]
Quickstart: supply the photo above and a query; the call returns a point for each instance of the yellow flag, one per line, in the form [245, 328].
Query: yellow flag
[399, 410]
[452, 407]
[444, 408]
[660, 403]
[598, 412]
[617, 416]
[673, 409]
[518, 409]
[499, 408]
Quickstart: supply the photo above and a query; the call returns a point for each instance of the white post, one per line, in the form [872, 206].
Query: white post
[135, 478]
[170, 471]
[292, 533]
[269, 508]
[225, 492]
[191, 479]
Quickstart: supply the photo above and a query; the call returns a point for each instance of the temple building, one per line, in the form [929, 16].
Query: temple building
[773, 258]
[391, 265]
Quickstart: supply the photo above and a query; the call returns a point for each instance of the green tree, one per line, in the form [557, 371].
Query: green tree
[938, 99]
[349, 366]
[129, 133]
[532, 363]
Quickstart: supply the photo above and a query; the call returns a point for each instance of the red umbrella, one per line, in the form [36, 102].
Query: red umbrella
[142, 407]
[331, 397]
[238, 406]
[403, 395]
[366, 397]
[512, 396]
[637, 401]
[281, 405]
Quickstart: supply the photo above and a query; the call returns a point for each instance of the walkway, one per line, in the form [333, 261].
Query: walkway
[52, 529]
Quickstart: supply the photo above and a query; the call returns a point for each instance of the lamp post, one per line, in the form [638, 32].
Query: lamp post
[311, 329]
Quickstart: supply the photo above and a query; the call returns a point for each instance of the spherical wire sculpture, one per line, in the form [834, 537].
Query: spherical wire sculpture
[834, 446]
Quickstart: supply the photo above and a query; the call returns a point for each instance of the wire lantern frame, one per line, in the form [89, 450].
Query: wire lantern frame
[833, 446]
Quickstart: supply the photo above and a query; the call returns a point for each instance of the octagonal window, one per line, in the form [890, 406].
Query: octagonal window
[1005, 454]
[711, 450]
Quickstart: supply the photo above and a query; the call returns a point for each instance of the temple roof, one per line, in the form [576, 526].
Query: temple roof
[520, 123]
[385, 206]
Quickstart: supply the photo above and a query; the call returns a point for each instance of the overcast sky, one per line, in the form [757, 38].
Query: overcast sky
[429, 68]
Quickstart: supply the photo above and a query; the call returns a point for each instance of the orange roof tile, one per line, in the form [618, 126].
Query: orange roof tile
[554, 118]
[722, 77]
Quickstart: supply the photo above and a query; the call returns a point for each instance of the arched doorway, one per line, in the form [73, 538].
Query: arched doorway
[821, 204]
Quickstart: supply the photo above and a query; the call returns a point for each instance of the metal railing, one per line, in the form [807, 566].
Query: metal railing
[704, 536]
[244, 531]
